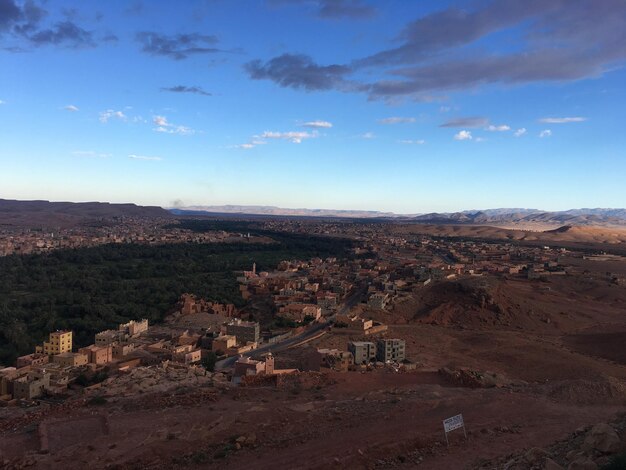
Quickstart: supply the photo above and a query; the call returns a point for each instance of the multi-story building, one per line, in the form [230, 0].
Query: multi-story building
[364, 352]
[59, 342]
[245, 331]
[98, 354]
[390, 350]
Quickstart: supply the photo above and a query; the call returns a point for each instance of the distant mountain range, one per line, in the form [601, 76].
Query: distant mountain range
[503, 216]
[36, 214]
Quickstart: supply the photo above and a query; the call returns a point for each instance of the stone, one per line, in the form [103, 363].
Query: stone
[550, 464]
[535, 455]
[574, 455]
[602, 437]
[582, 464]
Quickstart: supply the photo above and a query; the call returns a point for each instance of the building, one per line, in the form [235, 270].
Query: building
[390, 350]
[364, 352]
[31, 386]
[122, 349]
[245, 331]
[330, 358]
[134, 328]
[378, 301]
[106, 337]
[32, 360]
[298, 312]
[223, 343]
[246, 366]
[98, 355]
[59, 342]
[70, 359]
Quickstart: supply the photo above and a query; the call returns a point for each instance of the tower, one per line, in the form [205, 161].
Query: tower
[254, 268]
[269, 364]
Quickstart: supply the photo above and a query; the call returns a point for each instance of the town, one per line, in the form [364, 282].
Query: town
[300, 301]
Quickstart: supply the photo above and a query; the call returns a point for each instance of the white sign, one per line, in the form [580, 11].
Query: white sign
[453, 423]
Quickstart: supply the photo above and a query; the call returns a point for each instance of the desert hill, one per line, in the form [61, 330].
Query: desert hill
[36, 214]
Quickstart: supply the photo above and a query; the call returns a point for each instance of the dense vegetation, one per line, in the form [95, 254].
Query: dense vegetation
[92, 289]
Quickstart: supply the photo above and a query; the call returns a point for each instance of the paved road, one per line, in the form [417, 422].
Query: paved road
[311, 331]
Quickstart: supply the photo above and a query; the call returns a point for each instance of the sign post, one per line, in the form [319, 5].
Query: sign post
[453, 423]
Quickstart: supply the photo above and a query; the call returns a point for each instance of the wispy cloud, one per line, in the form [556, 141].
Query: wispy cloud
[106, 116]
[2, 102]
[164, 126]
[562, 120]
[143, 157]
[71, 107]
[179, 46]
[412, 142]
[334, 9]
[90, 154]
[250, 145]
[471, 121]
[463, 135]
[501, 128]
[396, 120]
[545, 133]
[368, 135]
[295, 137]
[318, 124]
[520, 132]
[187, 89]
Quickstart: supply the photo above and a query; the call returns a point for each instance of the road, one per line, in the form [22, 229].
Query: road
[311, 331]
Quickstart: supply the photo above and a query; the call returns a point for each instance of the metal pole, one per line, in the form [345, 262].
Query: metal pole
[464, 432]
[447, 442]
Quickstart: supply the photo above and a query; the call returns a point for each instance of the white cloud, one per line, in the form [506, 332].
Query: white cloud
[166, 127]
[396, 120]
[368, 135]
[90, 154]
[318, 124]
[479, 139]
[2, 102]
[463, 135]
[143, 157]
[444, 109]
[562, 120]
[520, 132]
[545, 133]
[294, 137]
[245, 146]
[502, 128]
[71, 107]
[411, 142]
[160, 121]
[109, 114]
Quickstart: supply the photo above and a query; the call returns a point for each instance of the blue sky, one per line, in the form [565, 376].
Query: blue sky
[404, 106]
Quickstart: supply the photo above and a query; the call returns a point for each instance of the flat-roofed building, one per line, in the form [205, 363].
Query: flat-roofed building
[98, 355]
[390, 350]
[364, 352]
[245, 331]
[70, 359]
[59, 342]
[33, 359]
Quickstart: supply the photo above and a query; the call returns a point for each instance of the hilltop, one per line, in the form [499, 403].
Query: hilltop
[38, 214]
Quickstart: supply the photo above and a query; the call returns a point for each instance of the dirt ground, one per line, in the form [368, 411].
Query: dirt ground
[559, 345]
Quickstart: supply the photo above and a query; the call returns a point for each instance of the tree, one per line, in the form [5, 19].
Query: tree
[209, 361]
